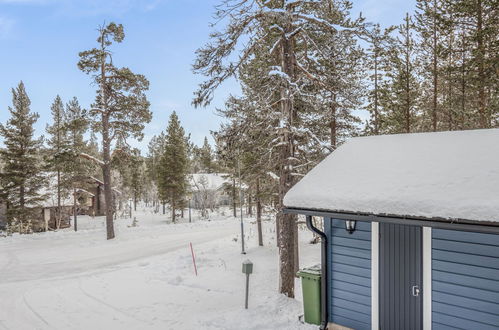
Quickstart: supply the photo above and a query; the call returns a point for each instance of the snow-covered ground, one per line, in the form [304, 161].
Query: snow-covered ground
[144, 279]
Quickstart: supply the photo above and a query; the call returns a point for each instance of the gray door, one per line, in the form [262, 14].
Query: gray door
[400, 277]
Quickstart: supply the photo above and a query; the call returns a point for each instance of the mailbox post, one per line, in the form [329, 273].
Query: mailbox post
[247, 269]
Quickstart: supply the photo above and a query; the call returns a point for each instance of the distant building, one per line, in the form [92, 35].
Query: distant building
[209, 190]
[88, 198]
[91, 200]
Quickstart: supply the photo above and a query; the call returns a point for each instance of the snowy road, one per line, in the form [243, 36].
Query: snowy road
[143, 279]
[71, 255]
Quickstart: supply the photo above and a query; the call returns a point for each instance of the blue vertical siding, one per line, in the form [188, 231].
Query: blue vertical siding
[465, 280]
[349, 266]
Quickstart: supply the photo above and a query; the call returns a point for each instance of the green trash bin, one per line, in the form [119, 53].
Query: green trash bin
[311, 287]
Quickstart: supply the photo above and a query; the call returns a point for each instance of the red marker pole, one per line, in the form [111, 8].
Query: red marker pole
[194, 260]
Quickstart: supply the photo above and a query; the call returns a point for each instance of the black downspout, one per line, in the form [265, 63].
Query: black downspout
[324, 280]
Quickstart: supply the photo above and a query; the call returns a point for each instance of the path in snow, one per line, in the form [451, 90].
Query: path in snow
[144, 278]
[24, 260]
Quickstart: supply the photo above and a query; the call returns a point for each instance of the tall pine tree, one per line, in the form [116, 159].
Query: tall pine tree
[121, 108]
[22, 176]
[58, 156]
[173, 166]
[76, 125]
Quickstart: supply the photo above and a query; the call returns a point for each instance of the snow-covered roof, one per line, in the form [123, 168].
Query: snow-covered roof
[208, 181]
[450, 175]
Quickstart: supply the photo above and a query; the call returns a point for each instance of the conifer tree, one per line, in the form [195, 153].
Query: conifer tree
[428, 26]
[121, 108]
[401, 96]
[133, 175]
[22, 176]
[156, 150]
[206, 157]
[173, 166]
[379, 42]
[58, 156]
[76, 125]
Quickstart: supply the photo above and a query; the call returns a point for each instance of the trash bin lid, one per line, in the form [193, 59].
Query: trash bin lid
[311, 272]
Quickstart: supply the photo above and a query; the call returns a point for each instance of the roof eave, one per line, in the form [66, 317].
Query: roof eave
[435, 222]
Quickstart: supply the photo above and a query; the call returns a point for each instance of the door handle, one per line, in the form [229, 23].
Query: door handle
[415, 290]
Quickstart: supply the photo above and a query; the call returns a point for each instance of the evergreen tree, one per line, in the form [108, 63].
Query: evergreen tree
[206, 157]
[22, 176]
[401, 95]
[430, 48]
[479, 23]
[379, 42]
[121, 108]
[156, 150]
[76, 125]
[173, 166]
[133, 176]
[58, 156]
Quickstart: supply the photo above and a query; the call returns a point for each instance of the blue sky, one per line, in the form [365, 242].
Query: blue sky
[40, 41]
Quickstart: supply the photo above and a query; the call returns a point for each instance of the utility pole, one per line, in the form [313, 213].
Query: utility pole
[241, 205]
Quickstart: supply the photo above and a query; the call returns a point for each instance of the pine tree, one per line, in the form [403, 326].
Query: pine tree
[156, 150]
[76, 125]
[430, 48]
[173, 166]
[121, 108]
[22, 176]
[479, 23]
[133, 175]
[206, 157]
[379, 42]
[58, 158]
[401, 94]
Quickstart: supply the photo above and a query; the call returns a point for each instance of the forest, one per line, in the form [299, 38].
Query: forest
[311, 76]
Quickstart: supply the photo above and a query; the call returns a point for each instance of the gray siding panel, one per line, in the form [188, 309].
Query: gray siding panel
[349, 265]
[465, 280]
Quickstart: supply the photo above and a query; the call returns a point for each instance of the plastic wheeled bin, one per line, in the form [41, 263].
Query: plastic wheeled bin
[311, 287]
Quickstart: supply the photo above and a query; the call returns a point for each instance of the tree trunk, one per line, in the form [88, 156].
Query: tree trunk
[484, 117]
[58, 213]
[250, 206]
[108, 197]
[450, 96]
[333, 125]
[106, 173]
[75, 219]
[463, 81]
[234, 196]
[287, 222]
[173, 209]
[259, 213]
[435, 74]
[135, 201]
[376, 111]
[407, 86]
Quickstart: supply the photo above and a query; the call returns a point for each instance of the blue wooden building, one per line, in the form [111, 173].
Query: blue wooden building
[411, 231]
